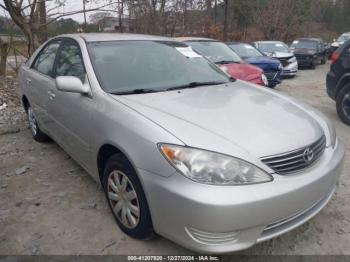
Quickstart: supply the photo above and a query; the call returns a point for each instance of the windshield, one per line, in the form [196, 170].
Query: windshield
[123, 66]
[343, 38]
[245, 50]
[273, 47]
[304, 44]
[215, 51]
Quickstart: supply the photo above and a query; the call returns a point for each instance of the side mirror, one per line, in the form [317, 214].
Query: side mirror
[71, 84]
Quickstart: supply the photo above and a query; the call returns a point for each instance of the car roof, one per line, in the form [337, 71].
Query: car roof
[309, 39]
[268, 42]
[192, 39]
[236, 43]
[101, 37]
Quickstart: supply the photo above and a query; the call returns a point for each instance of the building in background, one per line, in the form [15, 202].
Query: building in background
[115, 24]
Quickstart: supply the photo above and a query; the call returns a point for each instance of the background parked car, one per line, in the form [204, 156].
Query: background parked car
[223, 56]
[339, 42]
[280, 51]
[309, 52]
[272, 67]
[338, 81]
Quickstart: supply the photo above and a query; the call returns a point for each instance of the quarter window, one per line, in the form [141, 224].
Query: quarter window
[69, 62]
[46, 59]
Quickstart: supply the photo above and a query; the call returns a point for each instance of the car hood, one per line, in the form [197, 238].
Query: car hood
[257, 120]
[337, 44]
[267, 63]
[242, 71]
[304, 51]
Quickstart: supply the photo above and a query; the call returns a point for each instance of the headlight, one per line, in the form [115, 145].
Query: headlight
[212, 168]
[264, 80]
[280, 67]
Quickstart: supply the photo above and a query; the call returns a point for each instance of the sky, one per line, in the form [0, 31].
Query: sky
[71, 5]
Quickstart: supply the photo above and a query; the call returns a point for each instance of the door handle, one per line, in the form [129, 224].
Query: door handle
[51, 95]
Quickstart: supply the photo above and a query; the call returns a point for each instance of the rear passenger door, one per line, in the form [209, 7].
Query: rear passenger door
[39, 82]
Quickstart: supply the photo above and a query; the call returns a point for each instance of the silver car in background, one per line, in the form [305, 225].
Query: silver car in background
[213, 163]
[280, 51]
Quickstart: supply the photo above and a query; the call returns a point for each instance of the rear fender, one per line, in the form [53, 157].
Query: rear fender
[344, 80]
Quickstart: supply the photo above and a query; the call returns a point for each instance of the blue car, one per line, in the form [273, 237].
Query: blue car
[272, 67]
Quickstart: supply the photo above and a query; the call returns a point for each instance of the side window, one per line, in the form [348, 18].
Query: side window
[69, 61]
[45, 60]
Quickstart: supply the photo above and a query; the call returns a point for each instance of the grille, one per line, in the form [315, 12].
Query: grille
[302, 57]
[296, 160]
[284, 62]
[270, 75]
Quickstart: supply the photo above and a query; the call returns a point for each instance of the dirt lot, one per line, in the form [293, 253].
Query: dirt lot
[49, 205]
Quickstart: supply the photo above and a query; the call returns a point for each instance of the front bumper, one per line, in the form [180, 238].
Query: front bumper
[290, 70]
[305, 61]
[222, 219]
[273, 77]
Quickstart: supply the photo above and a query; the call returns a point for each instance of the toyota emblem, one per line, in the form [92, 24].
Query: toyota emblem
[308, 155]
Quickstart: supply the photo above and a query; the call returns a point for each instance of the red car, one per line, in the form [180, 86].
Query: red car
[223, 56]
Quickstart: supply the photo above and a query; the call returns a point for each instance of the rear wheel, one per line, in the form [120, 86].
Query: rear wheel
[37, 134]
[343, 104]
[126, 198]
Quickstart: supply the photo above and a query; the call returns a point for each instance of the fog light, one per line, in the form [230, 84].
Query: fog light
[211, 238]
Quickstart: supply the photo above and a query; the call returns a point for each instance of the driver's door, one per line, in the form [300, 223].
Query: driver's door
[72, 111]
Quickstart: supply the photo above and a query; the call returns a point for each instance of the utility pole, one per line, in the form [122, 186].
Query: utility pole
[225, 20]
[84, 10]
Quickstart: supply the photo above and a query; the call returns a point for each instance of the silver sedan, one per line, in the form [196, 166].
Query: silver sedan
[181, 149]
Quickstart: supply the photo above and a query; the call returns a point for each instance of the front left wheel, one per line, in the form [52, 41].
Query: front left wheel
[126, 198]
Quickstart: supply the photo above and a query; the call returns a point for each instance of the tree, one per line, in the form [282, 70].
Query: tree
[33, 16]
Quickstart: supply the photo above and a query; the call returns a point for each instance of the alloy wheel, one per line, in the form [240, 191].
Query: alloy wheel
[123, 199]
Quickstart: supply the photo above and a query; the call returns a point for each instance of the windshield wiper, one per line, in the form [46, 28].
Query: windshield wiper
[195, 84]
[135, 91]
[225, 62]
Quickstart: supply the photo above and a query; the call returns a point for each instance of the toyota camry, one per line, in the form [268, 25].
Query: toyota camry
[181, 149]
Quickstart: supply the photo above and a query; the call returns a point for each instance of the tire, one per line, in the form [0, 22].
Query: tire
[313, 65]
[122, 206]
[324, 60]
[343, 104]
[272, 86]
[37, 133]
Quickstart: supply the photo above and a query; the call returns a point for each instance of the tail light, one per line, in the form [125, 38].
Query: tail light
[335, 57]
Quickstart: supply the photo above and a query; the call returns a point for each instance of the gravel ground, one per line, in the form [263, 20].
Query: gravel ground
[49, 205]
